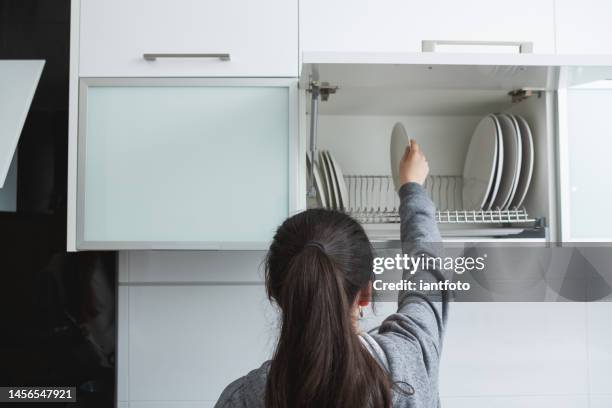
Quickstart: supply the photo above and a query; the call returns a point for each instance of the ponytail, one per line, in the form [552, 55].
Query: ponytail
[319, 360]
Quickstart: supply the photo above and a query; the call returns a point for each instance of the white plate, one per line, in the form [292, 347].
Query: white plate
[520, 161]
[480, 164]
[318, 182]
[342, 190]
[526, 163]
[399, 141]
[499, 163]
[327, 181]
[336, 202]
[512, 162]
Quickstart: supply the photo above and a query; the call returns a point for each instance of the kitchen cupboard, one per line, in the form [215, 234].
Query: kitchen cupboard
[155, 162]
[440, 99]
[138, 151]
[182, 316]
[174, 364]
[141, 141]
[584, 27]
[200, 38]
[184, 335]
[401, 26]
[184, 163]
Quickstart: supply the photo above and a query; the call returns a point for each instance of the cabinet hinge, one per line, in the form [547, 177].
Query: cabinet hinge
[322, 89]
[519, 95]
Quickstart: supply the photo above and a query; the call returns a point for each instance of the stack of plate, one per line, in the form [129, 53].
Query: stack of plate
[329, 181]
[499, 164]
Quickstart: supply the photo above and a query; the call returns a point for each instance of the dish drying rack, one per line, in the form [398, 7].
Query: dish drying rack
[372, 199]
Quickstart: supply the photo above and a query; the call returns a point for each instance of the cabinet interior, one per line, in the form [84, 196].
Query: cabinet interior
[355, 125]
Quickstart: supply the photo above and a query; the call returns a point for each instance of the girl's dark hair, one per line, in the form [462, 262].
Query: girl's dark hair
[317, 263]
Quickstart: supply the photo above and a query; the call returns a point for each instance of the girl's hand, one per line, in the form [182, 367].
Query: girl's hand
[414, 166]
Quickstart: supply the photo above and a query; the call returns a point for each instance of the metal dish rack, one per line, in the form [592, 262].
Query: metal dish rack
[373, 200]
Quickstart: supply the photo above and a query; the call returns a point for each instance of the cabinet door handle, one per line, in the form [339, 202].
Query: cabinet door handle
[524, 47]
[153, 57]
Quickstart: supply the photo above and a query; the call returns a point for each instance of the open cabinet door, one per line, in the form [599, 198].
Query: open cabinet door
[18, 82]
[585, 159]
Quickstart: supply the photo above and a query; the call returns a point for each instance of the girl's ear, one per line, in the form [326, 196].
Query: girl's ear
[365, 295]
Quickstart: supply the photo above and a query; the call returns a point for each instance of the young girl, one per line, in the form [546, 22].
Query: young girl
[319, 271]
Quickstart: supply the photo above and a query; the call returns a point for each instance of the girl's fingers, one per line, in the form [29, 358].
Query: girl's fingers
[406, 153]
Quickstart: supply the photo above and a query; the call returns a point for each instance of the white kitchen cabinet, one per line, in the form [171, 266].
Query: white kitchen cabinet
[261, 38]
[194, 266]
[440, 99]
[174, 311]
[186, 343]
[135, 187]
[401, 26]
[583, 27]
[145, 143]
[185, 163]
[506, 360]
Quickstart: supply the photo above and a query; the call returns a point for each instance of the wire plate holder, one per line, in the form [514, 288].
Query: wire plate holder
[372, 199]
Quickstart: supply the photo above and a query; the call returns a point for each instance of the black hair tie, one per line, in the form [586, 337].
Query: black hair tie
[315, 244]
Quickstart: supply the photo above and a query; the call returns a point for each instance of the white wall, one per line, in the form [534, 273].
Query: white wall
[190, 322]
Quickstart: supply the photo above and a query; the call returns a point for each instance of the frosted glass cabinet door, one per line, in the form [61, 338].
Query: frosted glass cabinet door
[586, 164]
[184, 163]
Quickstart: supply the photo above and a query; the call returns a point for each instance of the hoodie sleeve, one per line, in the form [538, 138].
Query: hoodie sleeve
[421, 315]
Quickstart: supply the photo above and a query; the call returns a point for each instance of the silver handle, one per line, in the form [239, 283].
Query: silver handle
[524, 47]
[153, 57]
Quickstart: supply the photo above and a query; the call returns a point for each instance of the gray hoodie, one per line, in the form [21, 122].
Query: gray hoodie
[408, 343]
